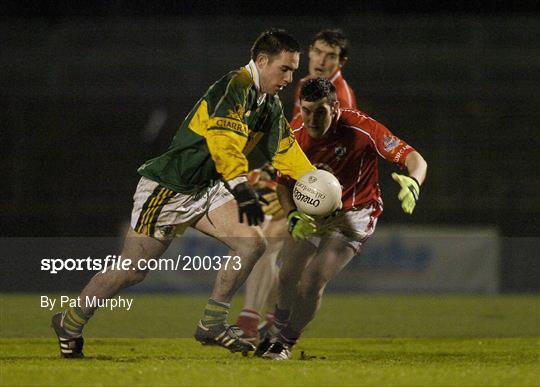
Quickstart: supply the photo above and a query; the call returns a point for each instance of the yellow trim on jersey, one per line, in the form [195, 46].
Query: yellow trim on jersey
[292, 161]
[285, 143]
[255, 138]
[233, 125]
[226, 149]
[226, 139]
[199, 121]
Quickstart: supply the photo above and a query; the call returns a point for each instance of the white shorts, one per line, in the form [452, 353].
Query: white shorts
[162, 213]
[353, 227]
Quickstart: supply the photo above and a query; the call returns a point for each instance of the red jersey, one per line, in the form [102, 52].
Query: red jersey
[350, 150]
[345, 93]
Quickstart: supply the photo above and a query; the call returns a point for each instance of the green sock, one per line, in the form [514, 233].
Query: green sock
[74, 320]
[215, 313]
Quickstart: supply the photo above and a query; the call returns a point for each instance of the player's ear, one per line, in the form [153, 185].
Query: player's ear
[342, 61]
[335, 108]
[261, 60]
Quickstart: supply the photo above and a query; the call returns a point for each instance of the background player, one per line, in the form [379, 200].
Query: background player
[328, 53]
[195, 181]
[347, 143]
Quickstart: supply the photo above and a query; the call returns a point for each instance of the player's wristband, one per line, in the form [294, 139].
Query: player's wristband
[237, 180]
[414, 178]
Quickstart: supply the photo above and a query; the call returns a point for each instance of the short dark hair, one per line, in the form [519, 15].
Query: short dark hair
[334, 38]
[315, 89]
[273, 42]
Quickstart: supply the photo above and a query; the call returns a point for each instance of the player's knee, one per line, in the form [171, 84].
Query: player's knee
[259, 246]
[313, 285]
[134, 276]
[284, 280]
[288, 281]
[311, 292]
[253, 245]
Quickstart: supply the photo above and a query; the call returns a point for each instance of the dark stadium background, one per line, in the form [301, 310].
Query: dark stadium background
[88, 92]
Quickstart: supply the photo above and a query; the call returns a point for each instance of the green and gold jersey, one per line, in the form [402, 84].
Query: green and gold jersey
[227, 133]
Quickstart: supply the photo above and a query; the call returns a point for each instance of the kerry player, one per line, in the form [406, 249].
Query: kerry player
[348, 144]
[195, 181]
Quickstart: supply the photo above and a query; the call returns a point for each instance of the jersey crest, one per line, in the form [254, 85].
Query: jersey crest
[390, 143]
[340, 151]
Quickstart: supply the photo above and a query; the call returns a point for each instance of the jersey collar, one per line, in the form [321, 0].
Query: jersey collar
[335, 76]
[334, 124]
[251, 67]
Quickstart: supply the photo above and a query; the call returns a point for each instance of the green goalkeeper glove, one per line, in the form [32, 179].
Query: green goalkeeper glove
[300, 225]
[410, 191]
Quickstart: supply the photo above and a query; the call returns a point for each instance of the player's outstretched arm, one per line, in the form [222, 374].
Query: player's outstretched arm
[410, 185]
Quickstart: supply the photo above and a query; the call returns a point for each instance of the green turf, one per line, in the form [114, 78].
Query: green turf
[371, 340]
[342, 362]
[340, 316]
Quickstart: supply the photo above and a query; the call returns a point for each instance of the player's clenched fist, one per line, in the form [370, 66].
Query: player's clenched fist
[410, 191]
[249, 204]
[300, 225]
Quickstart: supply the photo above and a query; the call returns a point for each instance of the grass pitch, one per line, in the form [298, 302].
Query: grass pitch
[355, 340]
